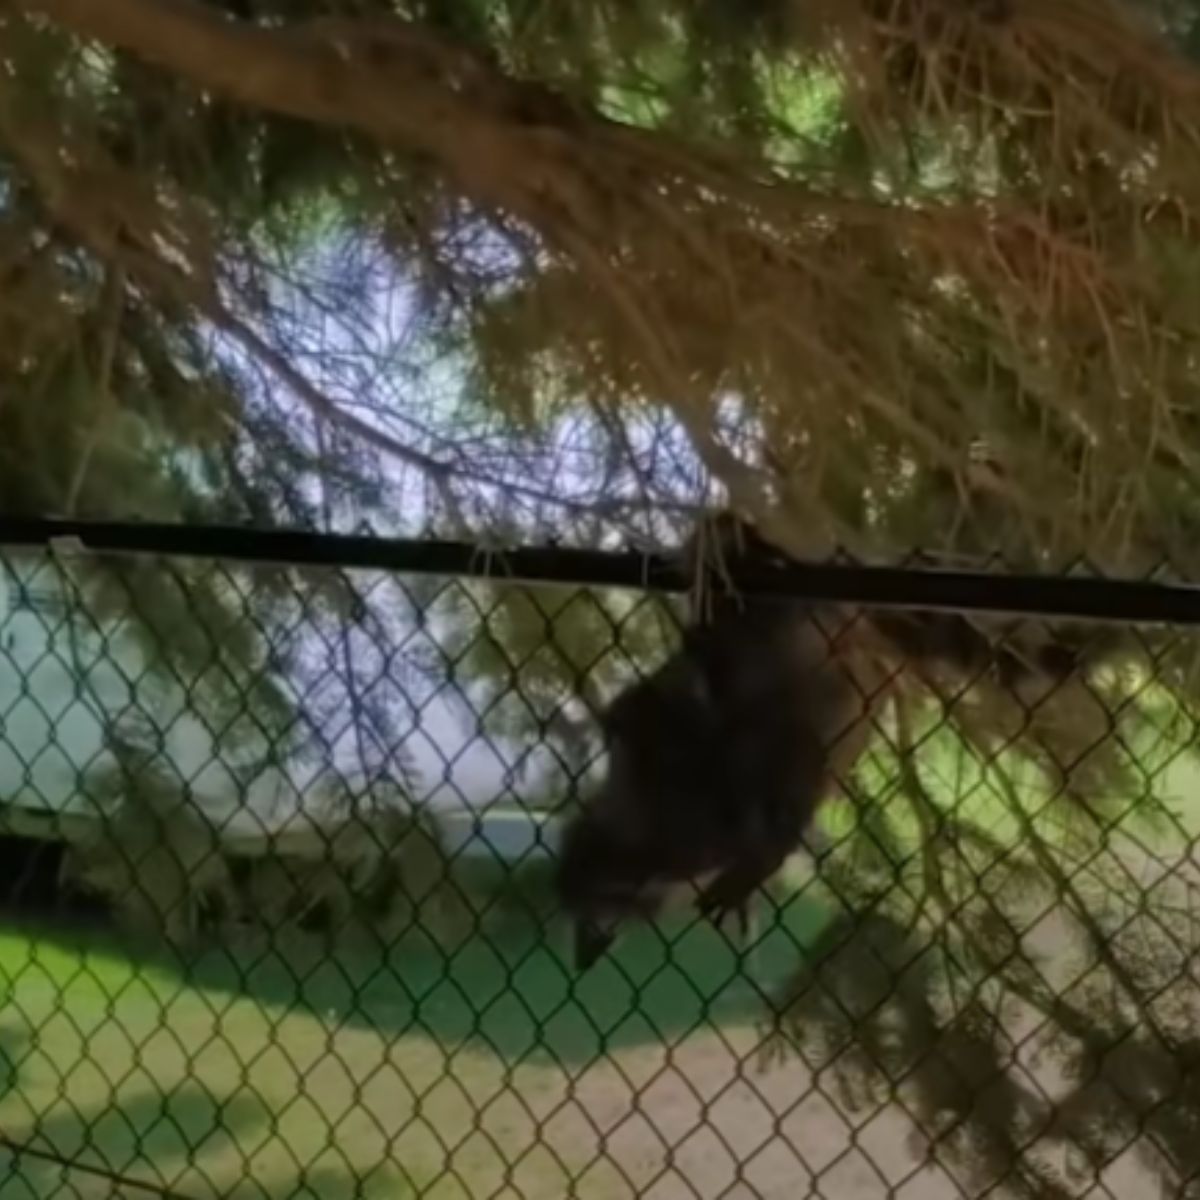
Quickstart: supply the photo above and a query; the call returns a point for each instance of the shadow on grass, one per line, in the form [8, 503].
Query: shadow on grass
[507, 991]
[514, 992]
[153, 1141]
[1129, 1083]
[509, 988]
[150, 1138]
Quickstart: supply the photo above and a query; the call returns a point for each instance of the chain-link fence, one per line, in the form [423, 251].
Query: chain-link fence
[279, 920]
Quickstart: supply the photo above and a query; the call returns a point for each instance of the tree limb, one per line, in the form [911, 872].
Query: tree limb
[401, 84]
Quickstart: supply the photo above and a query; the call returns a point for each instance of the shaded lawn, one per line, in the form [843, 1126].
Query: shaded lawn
[284, 1071]
[288, 1072]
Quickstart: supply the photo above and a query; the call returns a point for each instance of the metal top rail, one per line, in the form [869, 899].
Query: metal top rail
[1122, 600]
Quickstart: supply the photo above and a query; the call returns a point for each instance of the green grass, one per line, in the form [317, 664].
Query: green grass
[260, 1072]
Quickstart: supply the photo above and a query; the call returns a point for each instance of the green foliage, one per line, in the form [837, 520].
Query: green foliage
[973, 903]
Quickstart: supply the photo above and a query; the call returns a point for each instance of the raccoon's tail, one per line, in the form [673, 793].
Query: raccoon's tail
[1006, 652]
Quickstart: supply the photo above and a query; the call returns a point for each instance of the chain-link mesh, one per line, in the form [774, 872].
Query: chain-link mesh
[278, 914]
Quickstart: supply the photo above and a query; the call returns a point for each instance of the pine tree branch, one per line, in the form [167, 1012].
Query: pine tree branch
[581, 180]
[697, 271]
[394, 80]
[123, 224]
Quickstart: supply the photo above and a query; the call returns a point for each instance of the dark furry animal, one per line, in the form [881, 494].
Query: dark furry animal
[716, 763]
[719, 759]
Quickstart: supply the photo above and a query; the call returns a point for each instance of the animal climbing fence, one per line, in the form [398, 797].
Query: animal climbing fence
[279, 816]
